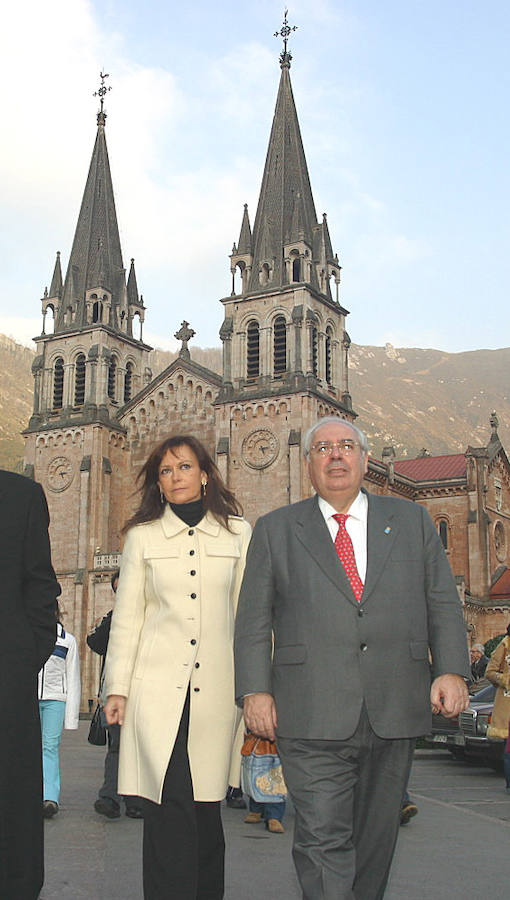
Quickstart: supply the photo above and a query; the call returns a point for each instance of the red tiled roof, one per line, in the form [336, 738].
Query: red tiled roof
[500, 590]
[432, 468]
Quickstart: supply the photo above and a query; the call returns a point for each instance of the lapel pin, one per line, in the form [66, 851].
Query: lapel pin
[387, 529]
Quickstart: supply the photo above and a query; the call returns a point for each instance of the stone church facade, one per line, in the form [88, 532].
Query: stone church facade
[98, 410]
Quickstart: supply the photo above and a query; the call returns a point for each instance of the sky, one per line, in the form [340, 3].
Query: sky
[403, 107]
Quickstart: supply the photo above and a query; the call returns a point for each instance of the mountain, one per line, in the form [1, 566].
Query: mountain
[410, 398]
[16, 400]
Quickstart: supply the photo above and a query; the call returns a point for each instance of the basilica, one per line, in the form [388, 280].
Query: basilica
[98, 410]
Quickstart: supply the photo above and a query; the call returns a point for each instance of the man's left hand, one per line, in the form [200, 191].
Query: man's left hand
[449, 695]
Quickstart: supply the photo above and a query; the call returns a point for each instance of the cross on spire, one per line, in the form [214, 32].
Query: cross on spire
[285, 56]
[101, 93]
[184, 334]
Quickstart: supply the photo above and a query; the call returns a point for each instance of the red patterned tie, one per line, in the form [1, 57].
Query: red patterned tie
[346, 556]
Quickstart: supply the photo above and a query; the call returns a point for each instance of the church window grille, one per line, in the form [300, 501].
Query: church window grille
[79, 380]
[329, 358]
[252, 356]
[443, 532]
[314, 350]
[58, 383]
[112, 376]
[280, 345]
[128, 382]
[296, 269]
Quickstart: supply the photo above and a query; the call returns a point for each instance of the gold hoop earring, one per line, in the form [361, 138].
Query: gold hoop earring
[161, 497]
[204, 488]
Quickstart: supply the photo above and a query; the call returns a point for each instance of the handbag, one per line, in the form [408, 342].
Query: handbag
[97, 731]
[261, 771]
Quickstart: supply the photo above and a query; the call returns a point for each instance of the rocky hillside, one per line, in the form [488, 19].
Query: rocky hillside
[16, 400]
[412, 398]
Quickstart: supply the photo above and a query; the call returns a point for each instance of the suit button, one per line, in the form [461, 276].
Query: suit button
[363, 647]
[191, 552]
[193, 596]
[193, 641]
[360, 613]
[190, 532]
[197, 665]
[192, 572]
[196, 690]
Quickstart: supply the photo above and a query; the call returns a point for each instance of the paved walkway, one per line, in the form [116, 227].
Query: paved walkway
[457, 847]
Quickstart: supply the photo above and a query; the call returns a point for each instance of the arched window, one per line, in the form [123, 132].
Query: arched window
[79, 380]
[97, 311]
[58, 383]
[443, 532]
[314, 350]
[279, 345]
[296, 269]
[329, 357]
[112, 377]
[252, 352]
[128, 382]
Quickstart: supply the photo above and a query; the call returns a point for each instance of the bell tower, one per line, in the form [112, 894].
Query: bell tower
[91, 360]
[285, 347]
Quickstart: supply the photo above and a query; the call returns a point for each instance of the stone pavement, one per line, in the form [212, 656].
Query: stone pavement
[457, 847]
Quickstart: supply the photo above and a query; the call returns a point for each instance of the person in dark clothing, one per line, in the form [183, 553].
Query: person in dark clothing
[28, 592]
[108, 800]
[479, 661]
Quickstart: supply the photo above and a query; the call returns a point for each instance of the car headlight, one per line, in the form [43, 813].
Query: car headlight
[482, 723]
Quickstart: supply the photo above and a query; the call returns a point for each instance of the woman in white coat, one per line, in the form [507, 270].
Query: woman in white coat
[169, 667]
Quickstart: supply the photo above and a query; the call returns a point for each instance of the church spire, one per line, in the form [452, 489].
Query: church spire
[287, 239]
[56, 281]
[244, 244]
[95, 284]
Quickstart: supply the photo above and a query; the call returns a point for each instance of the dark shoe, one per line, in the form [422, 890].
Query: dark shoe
[253, 818]
[50, 809]
[134, 812]
[234, 798]
[236, 802]
[275, 826]
[105, 806]
[407, 812]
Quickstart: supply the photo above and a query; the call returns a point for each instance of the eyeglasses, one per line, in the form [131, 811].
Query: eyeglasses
[325, 448]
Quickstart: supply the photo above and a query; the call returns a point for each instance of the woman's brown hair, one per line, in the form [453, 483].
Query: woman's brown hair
[217, 499]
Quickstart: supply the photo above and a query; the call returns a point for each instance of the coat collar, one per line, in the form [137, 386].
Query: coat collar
[172, 524]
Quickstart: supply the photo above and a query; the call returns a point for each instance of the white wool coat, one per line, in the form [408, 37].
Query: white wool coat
[172, 627]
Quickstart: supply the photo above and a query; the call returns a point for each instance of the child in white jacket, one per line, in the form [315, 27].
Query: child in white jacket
[59, 691]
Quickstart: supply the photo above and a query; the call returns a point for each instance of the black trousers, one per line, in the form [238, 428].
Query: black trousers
[183, 843]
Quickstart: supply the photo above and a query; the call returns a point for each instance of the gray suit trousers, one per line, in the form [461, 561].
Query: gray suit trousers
[347, 796]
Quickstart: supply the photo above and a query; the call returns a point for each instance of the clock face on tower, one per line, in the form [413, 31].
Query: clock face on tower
[260, 448]
[60, 473]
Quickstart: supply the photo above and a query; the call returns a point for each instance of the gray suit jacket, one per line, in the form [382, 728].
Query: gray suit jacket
[331, 653]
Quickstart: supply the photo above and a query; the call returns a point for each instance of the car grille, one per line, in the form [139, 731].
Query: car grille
[467, 722]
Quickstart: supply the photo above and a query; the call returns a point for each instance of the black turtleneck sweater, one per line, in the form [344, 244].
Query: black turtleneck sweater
[191, 513]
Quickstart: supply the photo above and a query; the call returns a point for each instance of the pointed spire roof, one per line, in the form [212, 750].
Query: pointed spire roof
[96, 256]
[245, 241]
[286, 201]
[132, 287]
[56, 281]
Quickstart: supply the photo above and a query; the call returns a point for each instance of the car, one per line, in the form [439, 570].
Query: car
[473, 724]
[465, 735]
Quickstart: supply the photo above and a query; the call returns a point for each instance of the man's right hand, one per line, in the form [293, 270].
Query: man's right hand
[114, 709]
[260, 715]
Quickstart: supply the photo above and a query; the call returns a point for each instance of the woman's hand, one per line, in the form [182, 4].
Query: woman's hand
[114, 709]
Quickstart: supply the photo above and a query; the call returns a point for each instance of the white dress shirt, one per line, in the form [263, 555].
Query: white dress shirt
[356, 526]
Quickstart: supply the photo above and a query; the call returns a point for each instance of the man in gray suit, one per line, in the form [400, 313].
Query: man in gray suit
[354, 603]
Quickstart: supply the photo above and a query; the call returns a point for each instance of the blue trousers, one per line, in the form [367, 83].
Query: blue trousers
[268, 810]
[52, 722]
